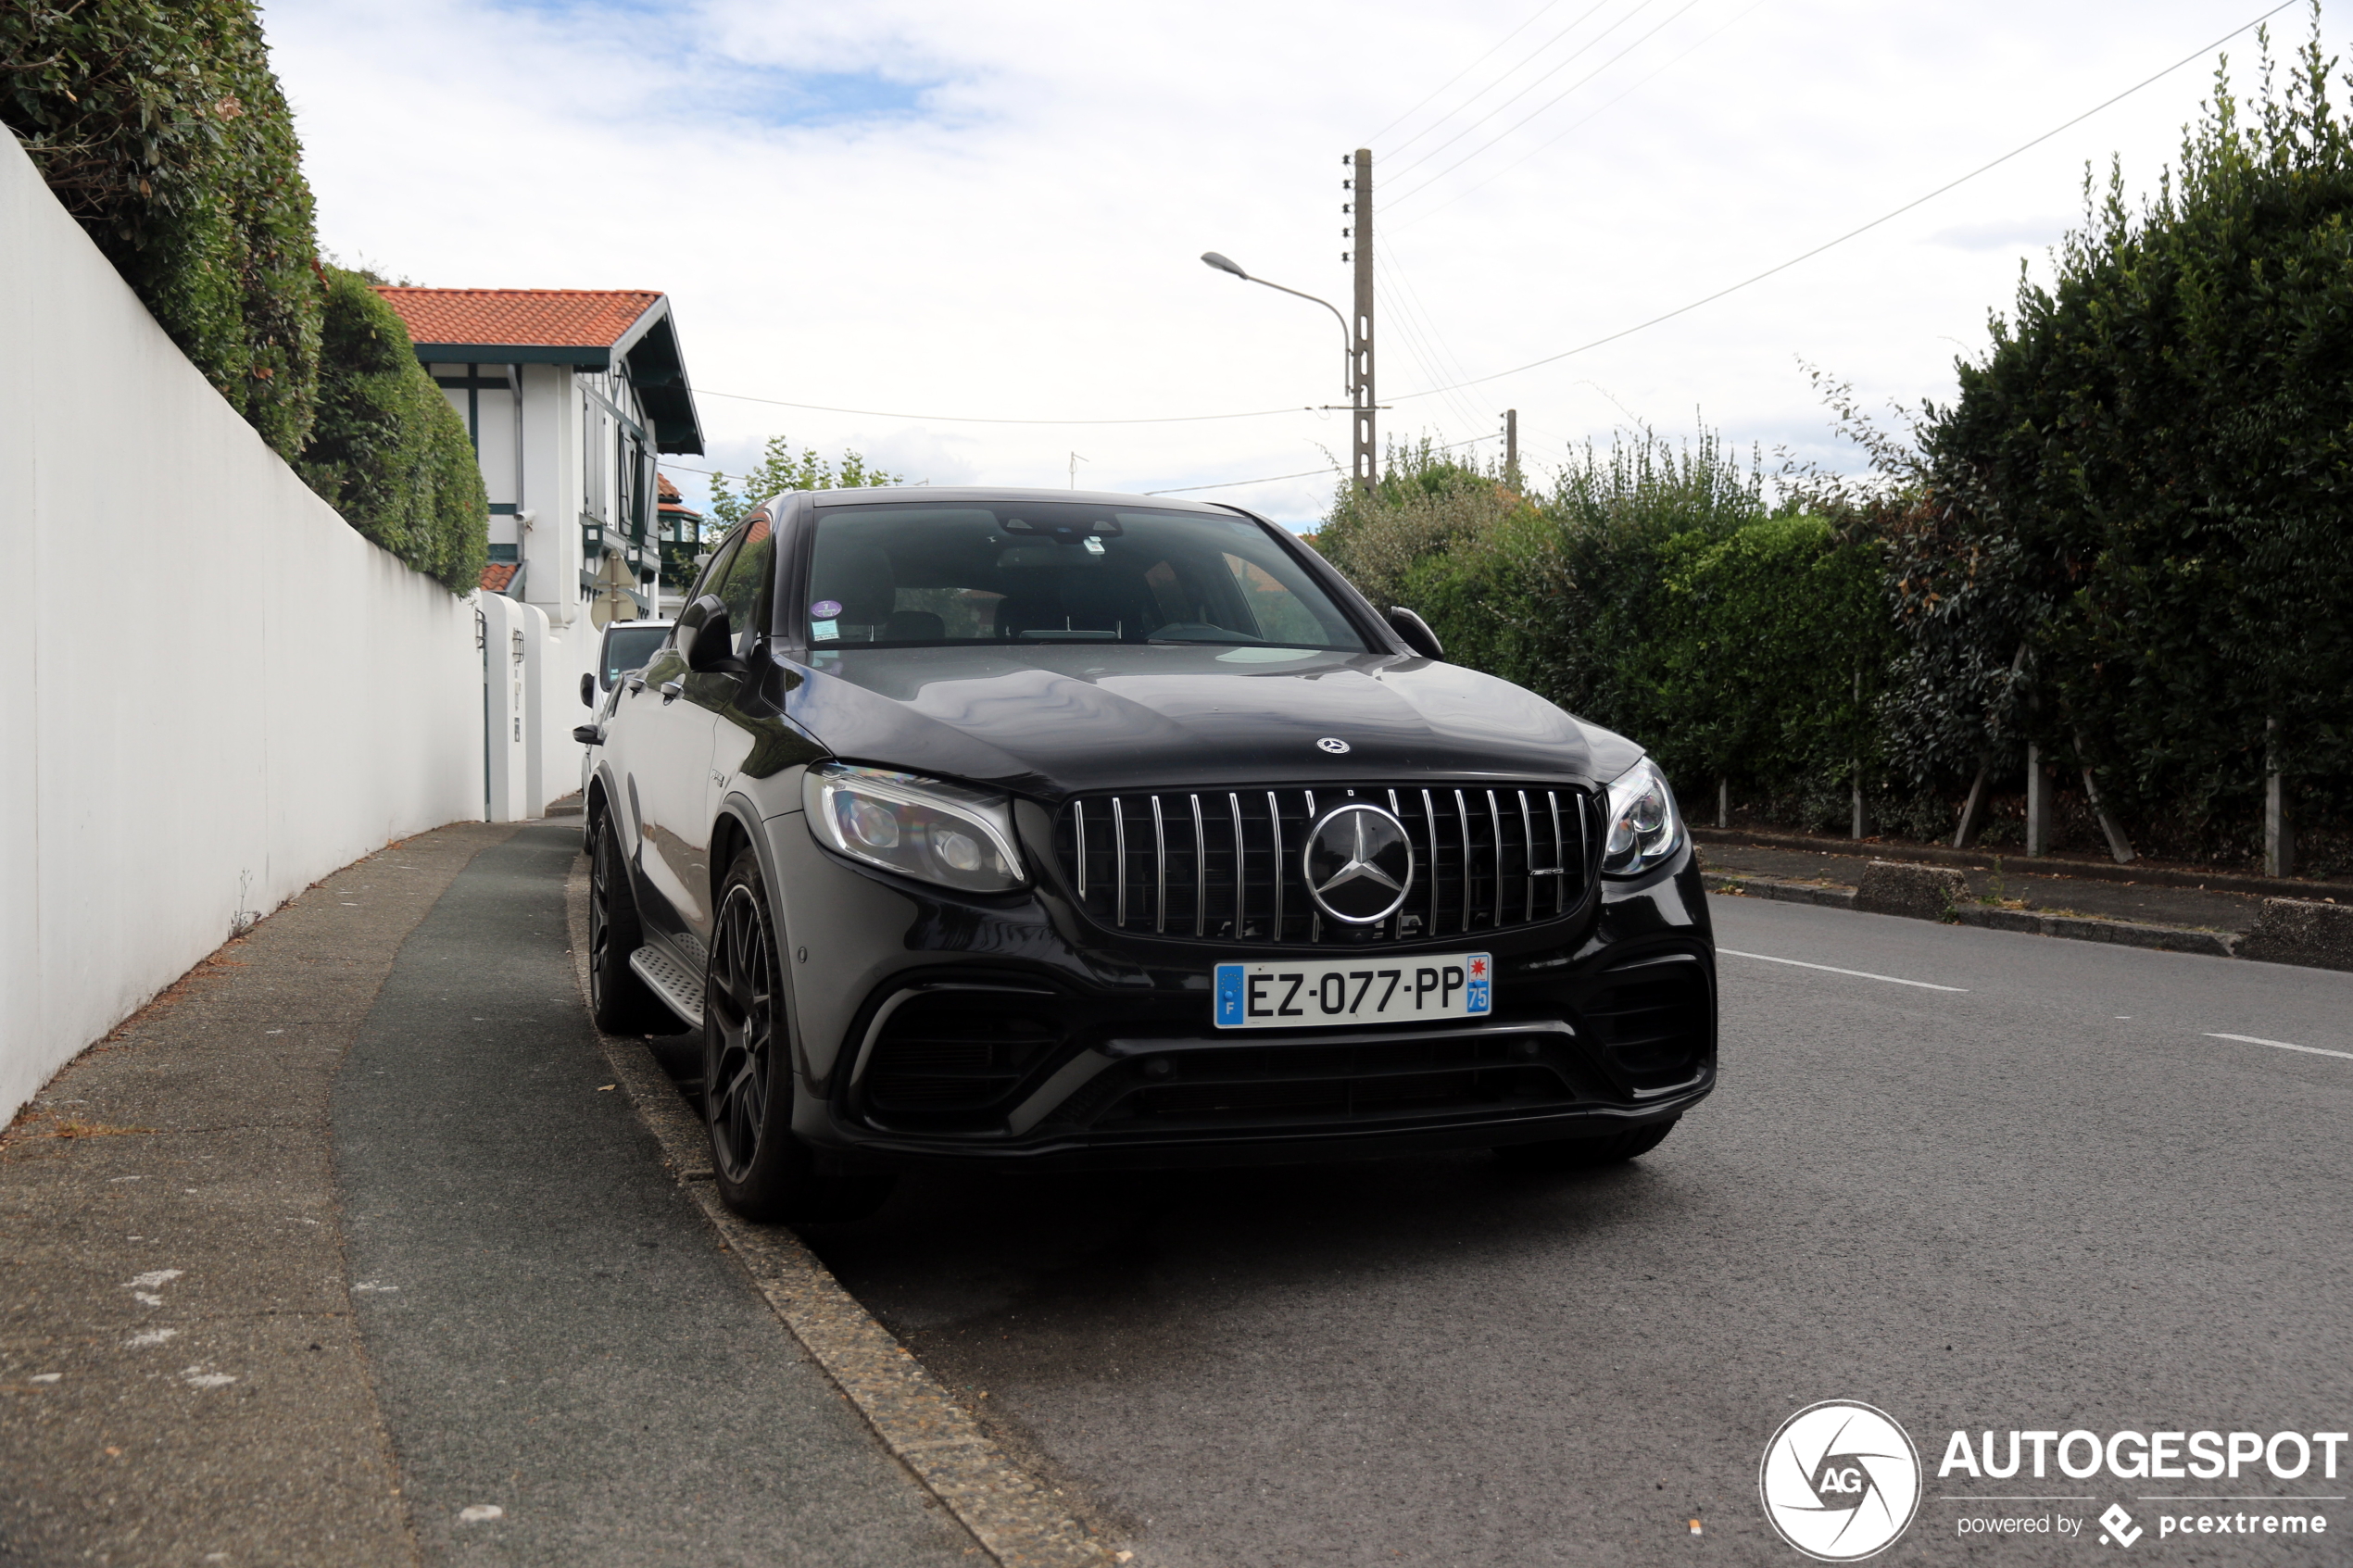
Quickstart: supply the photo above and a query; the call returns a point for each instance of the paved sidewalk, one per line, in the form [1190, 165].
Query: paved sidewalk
[557, 1332]
[532, 1316]
[180, 1380]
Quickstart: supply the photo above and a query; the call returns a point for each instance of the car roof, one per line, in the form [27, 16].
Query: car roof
[643, 624]
[935, 495]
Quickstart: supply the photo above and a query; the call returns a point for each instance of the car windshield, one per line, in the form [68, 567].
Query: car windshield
[1059, 572]
[631, 648]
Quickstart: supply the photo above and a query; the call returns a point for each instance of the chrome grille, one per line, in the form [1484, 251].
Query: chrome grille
[1223, 865]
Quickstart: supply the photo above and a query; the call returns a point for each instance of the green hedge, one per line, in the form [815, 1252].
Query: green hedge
[387, 450]
[161, 128]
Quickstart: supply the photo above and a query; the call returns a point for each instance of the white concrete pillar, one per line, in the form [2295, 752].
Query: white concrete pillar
[508, 751]
[536, 668]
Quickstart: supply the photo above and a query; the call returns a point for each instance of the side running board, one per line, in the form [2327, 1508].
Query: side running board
[680, 991]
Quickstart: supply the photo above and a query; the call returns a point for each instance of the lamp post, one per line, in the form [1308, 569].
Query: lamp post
[1348, 344]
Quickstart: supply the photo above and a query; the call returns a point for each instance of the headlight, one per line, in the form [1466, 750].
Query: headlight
[918, 827]
[1643, 827]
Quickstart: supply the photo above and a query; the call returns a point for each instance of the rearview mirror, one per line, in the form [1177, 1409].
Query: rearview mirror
[1414, 632]
[706, 640]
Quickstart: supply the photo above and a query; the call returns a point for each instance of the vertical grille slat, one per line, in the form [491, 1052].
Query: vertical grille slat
[1275, 822]
[1241, 877]
[1159, 870]
[1119, 853]
[1527, 856]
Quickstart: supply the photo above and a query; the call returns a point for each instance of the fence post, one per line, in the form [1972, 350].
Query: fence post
[1862, 818]
[2279, 831]
[1723, 803]
[1973, 813]
[2038, 801]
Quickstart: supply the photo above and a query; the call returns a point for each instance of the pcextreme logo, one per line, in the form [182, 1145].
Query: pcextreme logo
[1840, 1481]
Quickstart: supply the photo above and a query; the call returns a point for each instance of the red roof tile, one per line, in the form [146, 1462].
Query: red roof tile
[535, 318]
[496, 578]
[663, 489]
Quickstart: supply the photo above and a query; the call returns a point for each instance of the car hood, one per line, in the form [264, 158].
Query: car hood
[1057, 720]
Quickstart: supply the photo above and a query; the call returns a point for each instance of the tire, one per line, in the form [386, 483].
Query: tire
[1585, 1154]
[763, 1172]
[618, 1001]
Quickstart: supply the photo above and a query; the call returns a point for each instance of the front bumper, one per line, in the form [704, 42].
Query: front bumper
[931, 1027]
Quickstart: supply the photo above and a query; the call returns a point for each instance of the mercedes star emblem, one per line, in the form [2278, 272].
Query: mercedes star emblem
[1358, 864]
[1334, 744]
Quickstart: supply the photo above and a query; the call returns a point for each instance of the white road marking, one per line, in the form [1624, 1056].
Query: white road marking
[150, 1280]
[1832, 968]
[474, 1513]
[2280, 1045]
[152, 1337]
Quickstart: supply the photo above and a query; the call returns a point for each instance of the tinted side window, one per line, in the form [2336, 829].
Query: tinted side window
[743, 588]
[716, 572]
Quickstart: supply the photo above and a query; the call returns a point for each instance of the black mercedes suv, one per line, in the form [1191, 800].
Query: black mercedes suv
[1051, 827]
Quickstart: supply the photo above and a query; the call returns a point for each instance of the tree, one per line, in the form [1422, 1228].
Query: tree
[779, 471]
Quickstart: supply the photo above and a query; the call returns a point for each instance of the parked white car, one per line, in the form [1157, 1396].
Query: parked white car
[628, 645]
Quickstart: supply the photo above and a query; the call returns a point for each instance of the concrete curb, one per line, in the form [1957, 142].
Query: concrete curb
[1014, 1519]
[2078, 928]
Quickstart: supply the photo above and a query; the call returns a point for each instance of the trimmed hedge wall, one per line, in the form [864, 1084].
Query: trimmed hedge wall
[161, 128]
[387, 450]
[159, 125]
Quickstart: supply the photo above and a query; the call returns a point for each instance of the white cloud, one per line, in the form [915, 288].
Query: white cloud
[996, 209]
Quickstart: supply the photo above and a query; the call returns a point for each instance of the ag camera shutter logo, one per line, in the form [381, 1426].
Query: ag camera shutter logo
[1840, 1481]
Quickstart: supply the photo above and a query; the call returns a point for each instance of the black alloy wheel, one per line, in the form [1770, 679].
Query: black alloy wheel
[1585, 1154]
[619, 1001]
[763, 1172]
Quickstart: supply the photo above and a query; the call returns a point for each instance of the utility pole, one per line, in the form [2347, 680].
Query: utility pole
[1511, 450]
[1362, 401]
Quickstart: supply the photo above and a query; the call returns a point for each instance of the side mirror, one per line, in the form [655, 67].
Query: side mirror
[1414, 632]
[705, 639]
[589, 734]
[587, 691]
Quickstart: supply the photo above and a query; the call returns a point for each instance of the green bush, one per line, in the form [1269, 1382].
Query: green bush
[2144, 486]
[159, 126]
[387, 450]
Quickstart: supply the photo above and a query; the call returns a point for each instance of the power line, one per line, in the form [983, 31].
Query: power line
[983, 420]
[1506, 75]
[1575, 55]
[1430, 180]
[1334, 469]
[1769, 271]
[1576, 125]
[1539, 12]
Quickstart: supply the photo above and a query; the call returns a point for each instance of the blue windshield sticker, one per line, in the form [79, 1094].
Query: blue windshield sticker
[825, 609]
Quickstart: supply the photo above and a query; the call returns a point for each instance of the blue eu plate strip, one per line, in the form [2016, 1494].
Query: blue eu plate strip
[1229, 993]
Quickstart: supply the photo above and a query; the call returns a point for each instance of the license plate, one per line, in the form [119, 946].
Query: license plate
[1320, 993]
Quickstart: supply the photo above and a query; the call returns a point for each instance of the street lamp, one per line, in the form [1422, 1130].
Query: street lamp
[1347, 340]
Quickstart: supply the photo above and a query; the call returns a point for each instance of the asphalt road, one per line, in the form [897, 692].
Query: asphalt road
[2046, 1197]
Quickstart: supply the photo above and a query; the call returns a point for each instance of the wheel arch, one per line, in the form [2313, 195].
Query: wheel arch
[738, 828]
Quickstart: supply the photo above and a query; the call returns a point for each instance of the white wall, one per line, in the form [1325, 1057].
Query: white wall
[214, 691]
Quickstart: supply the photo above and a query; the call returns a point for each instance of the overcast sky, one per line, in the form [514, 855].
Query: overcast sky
[995, 209]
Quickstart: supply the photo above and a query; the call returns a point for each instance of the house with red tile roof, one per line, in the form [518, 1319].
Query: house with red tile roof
[571, 396]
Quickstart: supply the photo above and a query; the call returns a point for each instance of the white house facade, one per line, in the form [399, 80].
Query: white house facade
[570, 397]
